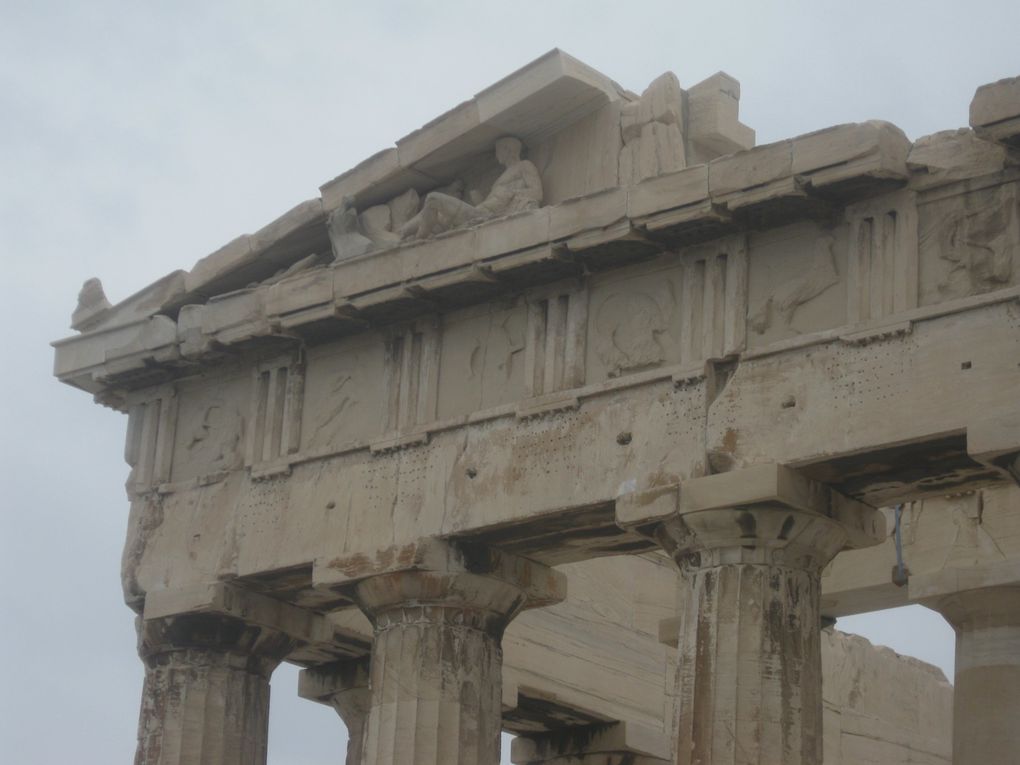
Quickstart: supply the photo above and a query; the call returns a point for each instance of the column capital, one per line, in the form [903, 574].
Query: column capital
[441, 573]
[438, 610]
[765, 514]
[206, 693]
[750, 544]
[205, 639]
[979, 609]
[983, 606]
[313, 638]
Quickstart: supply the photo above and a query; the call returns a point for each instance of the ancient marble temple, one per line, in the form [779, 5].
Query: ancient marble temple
[579, 416]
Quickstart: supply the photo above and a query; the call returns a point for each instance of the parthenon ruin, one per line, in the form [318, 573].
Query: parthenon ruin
[577, 415]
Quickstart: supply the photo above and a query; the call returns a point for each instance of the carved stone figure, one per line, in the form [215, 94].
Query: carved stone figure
[382, 222]
[345, 232]
[653, 143]
[517, 189]
[978, 247]
[790, 296]
[92, 303]
[629, 327]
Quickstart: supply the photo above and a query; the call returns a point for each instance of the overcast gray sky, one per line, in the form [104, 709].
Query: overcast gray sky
[137, 137]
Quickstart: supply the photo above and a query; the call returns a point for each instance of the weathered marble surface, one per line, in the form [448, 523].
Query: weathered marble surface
[658, 307]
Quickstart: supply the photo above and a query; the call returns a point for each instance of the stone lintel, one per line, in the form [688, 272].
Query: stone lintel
[995, 111]
[769, 484]
[601, 227]
[996, 443]
[541, 585]
[323, 682]
[930, 588]
[306, 627]
[644, 744]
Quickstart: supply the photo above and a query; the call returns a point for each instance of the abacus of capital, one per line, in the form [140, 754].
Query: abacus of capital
[577, 415]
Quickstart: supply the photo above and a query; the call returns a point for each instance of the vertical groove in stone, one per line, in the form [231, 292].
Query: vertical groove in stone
[351, 698]
[986, 697]
[438, 701]
[750, 667]
[200, 708]
[436, 666]
[206, 695]
[750, 649]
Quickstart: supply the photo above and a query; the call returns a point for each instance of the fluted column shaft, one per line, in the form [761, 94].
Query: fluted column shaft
[342, 685]
[436, 667]
[750, 673]
[353, 706]
[986, 700]
[205, 700]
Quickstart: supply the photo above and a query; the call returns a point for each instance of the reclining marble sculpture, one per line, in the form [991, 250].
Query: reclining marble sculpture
[518, 189]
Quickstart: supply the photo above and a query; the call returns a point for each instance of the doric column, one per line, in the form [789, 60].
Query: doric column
[206, 695]
[751, 545]
[438, 611]
[617, 743]
[344, 686]
[986, 699]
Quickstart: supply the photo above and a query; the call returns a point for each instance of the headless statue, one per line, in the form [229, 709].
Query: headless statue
[517, 189]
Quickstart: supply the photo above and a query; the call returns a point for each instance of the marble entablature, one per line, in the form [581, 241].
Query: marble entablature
[642, 287]
[533, 319]
[635, 285]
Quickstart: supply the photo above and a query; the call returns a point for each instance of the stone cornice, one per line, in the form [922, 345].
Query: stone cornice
[606, 229]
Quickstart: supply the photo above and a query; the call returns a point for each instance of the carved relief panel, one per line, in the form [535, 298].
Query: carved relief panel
[152, 421]
[882, 257]
[635, 320]
[555, 344]
[969, 243]
[796, 283]
[343, 395]
[681, 309]
[411, 375]
[211, 425]
[482, 358]
[275, 412]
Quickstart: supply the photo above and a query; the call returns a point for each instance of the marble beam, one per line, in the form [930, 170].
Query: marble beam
[618, 743]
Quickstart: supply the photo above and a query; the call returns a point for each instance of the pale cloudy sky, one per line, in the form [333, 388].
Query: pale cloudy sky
[137, 137]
